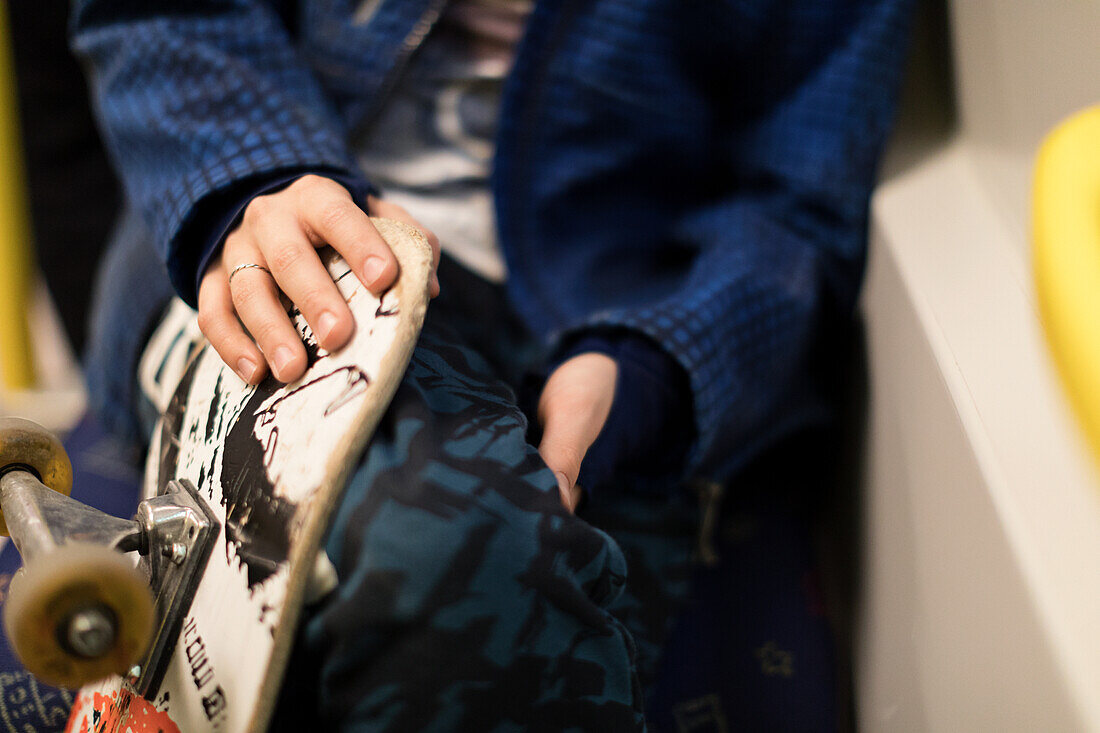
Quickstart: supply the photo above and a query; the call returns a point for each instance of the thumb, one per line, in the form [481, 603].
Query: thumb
[562, 450]
[572, 410]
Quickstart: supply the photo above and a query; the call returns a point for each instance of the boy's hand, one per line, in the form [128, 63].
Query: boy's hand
[572, 410]
[245, 320]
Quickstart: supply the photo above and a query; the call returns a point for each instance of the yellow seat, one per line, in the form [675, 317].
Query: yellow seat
[1066, 254]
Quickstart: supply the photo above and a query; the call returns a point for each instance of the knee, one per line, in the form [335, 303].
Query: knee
[414, 550]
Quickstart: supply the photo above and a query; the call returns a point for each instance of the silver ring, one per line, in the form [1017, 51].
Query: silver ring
[245, 266]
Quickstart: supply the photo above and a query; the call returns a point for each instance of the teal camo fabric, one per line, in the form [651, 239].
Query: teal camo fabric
[469, 598]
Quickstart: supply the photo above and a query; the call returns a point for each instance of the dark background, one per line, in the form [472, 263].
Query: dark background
[74, 196]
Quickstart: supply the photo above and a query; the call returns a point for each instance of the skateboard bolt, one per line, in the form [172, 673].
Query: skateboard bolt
[176, 552]
[91, 632]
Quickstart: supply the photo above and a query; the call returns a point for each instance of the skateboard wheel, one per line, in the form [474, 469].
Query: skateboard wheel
[79, 614]
[25, 444]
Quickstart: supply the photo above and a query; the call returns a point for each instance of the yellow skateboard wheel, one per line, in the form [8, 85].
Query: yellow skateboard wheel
[79, 581]
[27, 444]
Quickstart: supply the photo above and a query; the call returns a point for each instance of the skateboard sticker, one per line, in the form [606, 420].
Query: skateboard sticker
[107, 711]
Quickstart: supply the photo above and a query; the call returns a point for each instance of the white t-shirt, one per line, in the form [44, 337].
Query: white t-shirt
[430, 149]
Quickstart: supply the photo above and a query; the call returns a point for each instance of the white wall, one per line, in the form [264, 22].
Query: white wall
[980, 591]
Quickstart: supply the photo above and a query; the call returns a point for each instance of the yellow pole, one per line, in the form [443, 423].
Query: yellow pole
[16, 359]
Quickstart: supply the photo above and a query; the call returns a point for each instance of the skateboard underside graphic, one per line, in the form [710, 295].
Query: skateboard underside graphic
[269, 462]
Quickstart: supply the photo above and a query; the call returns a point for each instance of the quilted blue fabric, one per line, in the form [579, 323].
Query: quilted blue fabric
[696, 171]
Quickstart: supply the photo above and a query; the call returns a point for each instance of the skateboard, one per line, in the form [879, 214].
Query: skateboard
[182, 619]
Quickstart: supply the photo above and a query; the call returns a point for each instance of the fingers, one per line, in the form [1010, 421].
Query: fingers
[380, 207]
[256, 301]
[281, 231]
[573, 408]
[570, 493]
[218, 321]
[299, 273]
[562, 459]
[330, 216]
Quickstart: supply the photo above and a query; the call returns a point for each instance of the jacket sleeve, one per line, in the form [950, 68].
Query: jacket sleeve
[198, 100]
[780, 256]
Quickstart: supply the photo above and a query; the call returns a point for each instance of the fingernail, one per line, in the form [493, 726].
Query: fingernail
[246, 368]
[565, 491]
[372, 270]
[283, 357]
[325, 324]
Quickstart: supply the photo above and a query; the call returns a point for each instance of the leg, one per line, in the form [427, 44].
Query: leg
[469, 598]
[658, 536]
[131, 292]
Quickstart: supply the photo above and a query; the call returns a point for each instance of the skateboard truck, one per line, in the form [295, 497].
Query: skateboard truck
[81, 609]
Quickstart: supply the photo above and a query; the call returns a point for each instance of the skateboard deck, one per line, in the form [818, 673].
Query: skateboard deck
[271, 462]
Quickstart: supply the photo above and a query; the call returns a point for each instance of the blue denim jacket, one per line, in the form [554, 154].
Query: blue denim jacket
[696, 171]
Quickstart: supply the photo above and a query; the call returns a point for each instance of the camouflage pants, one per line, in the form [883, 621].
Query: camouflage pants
[469, 599]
